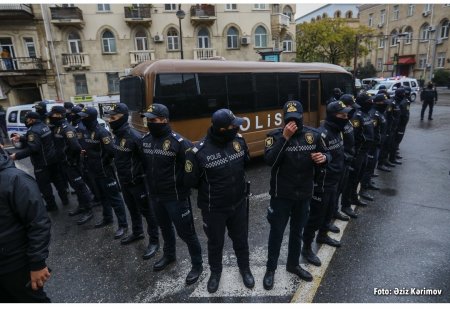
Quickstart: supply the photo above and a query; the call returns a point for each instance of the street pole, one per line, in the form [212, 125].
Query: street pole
[355, 59]
[180, 15]
[433, 58]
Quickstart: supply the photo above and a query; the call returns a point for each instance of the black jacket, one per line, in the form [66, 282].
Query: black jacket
[379, 126]
[100, 151]
[363, 131]
[428, 95]
[66, 143]
[163, 161]
[39, 146]
[24, 223]
[217, 170]
[128, 159]
[349, 142]
[292, 171]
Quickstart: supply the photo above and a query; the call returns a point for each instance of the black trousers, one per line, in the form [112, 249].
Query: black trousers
[372, 159]
[138, 204]
[401, 131]
[278, 214]
[13, 288]
[424, 107]
[354, 178]
[178, 213]
[320, 214]
[45, 177]
[235, 221]
[84, 195]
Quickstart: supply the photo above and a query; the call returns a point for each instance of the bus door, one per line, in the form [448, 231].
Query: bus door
[309, 97]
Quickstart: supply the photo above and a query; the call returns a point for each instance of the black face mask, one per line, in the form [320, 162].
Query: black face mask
[381, 107]
[339, 122]
[157, 129]
[117, 124]
[89, 123]
[366, 106]
[28, 124]
[298, 122]
[229, 134]
[56, 121]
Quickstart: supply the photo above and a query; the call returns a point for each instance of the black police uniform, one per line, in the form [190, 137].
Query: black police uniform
[216, 167]
[40, 148]
[164, 156]
[384, 150]
[291, 187]
[66, 143]
[392, 144]
[364, 138]
[99, 161]
[128, 161]
[404, 117]
[24, 234]
[429, 96]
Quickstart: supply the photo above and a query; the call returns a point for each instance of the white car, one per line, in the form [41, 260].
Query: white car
[393, 84]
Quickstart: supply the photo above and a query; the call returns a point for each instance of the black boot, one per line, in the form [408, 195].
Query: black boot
[131, 238]
[310, 256]
[333, 228]
[268, 279]
[151, 251]
[365, 195]
[194, 274]
[213, 282]
[349, 212]
[325, 239]
[247, 278]
[88, 215]
[297, 270]
[340, 216]
[163, 263]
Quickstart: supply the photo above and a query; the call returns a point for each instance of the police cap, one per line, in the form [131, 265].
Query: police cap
[88, 112]
[293, 110]
[380, 99]
[57, 109]
[338, 107]
[119, 108]
[41, 106]
[68, 105]
[76, 109]
[223, 118]
[32, 115]
[349, 100]
[156, 110]
[363, 97]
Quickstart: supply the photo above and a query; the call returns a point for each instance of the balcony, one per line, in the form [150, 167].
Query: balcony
[21, 66]
[16, 12]
[204, 53]
[203, 14]
[75, 61]
[138, 56]
[67, 16]
[279, 22]
[140, 15]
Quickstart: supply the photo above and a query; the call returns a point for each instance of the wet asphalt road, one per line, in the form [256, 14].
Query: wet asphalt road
[400, 241]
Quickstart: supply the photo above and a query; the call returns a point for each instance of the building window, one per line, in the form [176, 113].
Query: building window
[382, 16]
[260, 37]
[428, 7]
[337, 14]
[172, 39]
[370, 20]
[231, 7]
[409, 35]
[349, 14]
[259, 6]
[141, 40]
[287, 10]
[113, 82]
[74, 43]
[411, 9]
[288, 44]
[103, 7]
[324, 15]
[80, 84]
[395, 12]
[232, 38]
[109, 42]
[444, 30]
[381, 42]
[440, 60]
[422, 61]
[30, 48]
[170, 7]
[379, 64]
[394, 38]
[425, 32]
[203, 38]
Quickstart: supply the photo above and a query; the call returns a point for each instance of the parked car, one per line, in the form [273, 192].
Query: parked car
[393, 83]
[358, 85]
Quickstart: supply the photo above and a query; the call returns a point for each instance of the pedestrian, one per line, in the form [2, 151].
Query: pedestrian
[428, 97]
[128, 161]
[40, 147]
[323, 202]
[164, 156]
[215, 166]
[6, 57]
[99, 158]
[69, 150]
[292, 152]
[24, 237]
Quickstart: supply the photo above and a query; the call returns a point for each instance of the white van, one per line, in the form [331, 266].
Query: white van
[393, 83]
[15, 117]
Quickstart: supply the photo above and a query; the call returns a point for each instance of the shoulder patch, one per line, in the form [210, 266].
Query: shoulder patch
[106, 140]
[375, 122]
[237, 146]
[309, 137]
[188, 166]
[323, 134]
[268, 142]
[30, 137]
[70, 134]
[177, 137]
[123, 141]
[166, 145]
[355, 123]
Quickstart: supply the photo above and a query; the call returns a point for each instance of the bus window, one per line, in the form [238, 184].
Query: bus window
[213, 93]
[266, 91]
[304, 95]
[335, 80]
[288, 87]
[313, 95]
[132, 93]
[240, 92]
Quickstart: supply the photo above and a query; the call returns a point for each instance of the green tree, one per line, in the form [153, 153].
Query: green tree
[330, 40]
[366, 71]
[441, 77]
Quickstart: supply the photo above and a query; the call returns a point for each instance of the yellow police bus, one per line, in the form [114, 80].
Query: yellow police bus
[194, 89]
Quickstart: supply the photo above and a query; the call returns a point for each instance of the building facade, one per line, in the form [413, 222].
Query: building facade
[347, 11]
[85, 49]
[410, 39]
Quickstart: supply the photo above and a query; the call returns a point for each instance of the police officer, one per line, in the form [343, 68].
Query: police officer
[41, 109]
[40, 148]
[67, 145]
[292, 151]
[68, 106]
[164, 156]
[404, 119]
[349, 154]
[128, 161]
[99, 151]
[363, 132]
[429, 97]
[337, 93]
[326, 182]
[216, 167]
[383, 164]
[398, 102]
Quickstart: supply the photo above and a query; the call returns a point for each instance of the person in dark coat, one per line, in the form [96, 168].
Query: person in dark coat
[428, 97]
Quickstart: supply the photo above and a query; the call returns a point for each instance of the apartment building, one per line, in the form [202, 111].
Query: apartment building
[84, 49]
[410, 39]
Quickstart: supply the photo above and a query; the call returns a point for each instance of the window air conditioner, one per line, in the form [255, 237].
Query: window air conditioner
[245, 40]
[158, 38]
[425, 14]
[438, 41]
[380, 25]
[431, 28]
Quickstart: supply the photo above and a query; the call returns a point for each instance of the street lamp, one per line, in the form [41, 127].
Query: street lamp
[180, 15]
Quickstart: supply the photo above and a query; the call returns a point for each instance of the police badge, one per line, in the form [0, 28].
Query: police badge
[122, 142]
[166, 145]
[269, 142]
[106, 140]
[70, 134]
[92, 135]
[188, 166]
[355, 123]
[309, 137]
[236, 146]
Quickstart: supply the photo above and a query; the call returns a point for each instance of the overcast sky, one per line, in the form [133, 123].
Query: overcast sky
[305, 8]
